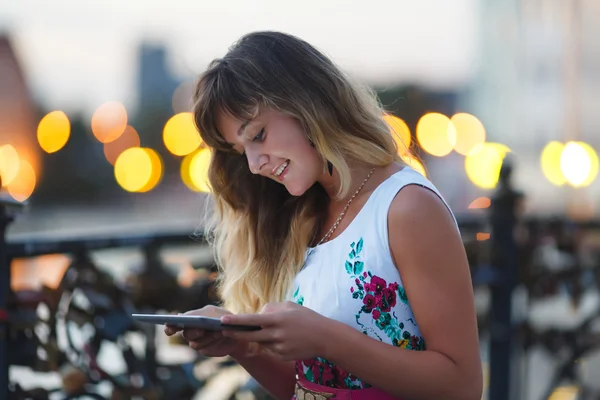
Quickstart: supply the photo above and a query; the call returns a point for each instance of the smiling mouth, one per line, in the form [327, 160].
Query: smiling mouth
[281, 168]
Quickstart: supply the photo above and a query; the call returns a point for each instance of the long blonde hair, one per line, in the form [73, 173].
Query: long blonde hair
[259, 231]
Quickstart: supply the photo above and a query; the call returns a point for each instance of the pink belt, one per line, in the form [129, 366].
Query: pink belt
[311, 391]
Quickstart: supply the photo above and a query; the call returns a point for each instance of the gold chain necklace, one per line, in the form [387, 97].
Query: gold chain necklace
[340, 217]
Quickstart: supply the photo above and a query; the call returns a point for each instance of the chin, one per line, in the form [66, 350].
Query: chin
[296, 191]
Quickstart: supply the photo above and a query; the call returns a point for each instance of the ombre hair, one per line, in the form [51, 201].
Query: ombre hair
[259, 232]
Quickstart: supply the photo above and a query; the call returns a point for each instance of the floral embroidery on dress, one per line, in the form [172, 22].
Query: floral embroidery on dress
[378, 298]
[376, 316]
[297, 297]
[322, 372]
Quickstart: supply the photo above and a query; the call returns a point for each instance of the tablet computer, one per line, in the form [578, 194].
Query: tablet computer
[191, 321]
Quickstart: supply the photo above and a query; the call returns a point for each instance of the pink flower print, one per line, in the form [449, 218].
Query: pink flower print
[327, 375]
[340, 376]
[370, 302]
[377, 285]
[376, 314]
[365, 274]
[351, 290]
[387, 300]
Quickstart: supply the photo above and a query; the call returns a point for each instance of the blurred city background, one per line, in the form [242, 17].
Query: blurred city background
[103, 172]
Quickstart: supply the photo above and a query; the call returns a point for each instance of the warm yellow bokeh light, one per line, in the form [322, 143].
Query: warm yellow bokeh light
[483, 165]
[109, 121]
[180, 134]
[436, 134]
[53, 131]
[128, 139]
[415, 164]
[550, 163]
[400, 132]
[593, 156]
[138, 169]
[565, 393]
[156, 171]
[199, 170]
[470, 133]
[184, 171]
[23, 185]
[9, 164]
[576, 164]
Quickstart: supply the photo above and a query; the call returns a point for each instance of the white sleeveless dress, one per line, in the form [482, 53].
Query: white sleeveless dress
[353, 279]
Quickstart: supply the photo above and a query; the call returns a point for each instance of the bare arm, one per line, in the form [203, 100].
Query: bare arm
[275, 375]
[429, 254]
[428, 251]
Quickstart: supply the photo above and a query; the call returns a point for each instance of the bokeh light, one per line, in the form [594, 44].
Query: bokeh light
[550, 163]
[470, 133]
[400, 132]
[180, 135]
[593, 156]
[577, 164]
[23, 185]
[415, 164]
[109, 121]
[480, 202]
[436, 134]
[128, 139]
[194, 170]
[156, 172]
[138, 169]
[53, 131]
[482, 236]
[483, 165]
[9, 164]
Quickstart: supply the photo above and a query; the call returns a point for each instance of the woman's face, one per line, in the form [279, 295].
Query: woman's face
[276, 147]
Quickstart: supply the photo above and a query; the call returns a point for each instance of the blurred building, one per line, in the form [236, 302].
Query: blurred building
[156, 83]
[539, 80]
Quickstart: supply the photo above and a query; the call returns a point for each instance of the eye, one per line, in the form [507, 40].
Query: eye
[259, 136]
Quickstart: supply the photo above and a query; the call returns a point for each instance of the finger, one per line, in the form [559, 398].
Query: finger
[193, 334]
[205, 342]
[171, 330]
[250, 319]
[262, 336]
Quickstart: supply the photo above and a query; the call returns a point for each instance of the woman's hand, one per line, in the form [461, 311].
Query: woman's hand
[290, 331]
[209, 343]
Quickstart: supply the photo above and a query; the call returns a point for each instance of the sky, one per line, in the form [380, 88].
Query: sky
[77, 54]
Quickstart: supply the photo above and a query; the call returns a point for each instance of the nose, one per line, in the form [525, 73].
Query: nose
[256, 161]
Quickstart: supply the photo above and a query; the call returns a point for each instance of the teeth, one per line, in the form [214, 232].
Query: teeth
[281, 168]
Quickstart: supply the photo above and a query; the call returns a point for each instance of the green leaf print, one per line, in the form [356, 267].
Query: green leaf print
[296, 292]
[309, 375]
[358, 267]
[402, 295]
[348, 267]
[359, 246]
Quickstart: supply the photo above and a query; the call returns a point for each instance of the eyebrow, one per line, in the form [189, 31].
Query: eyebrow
[243, 126]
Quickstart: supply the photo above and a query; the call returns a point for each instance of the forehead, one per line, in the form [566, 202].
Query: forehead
[228, 125]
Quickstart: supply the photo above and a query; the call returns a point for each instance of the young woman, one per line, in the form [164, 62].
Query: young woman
[349, 260]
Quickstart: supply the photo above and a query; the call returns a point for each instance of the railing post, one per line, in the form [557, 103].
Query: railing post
[8, 208]
[504, 213]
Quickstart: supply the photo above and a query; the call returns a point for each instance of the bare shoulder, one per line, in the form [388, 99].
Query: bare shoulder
[417, 207]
